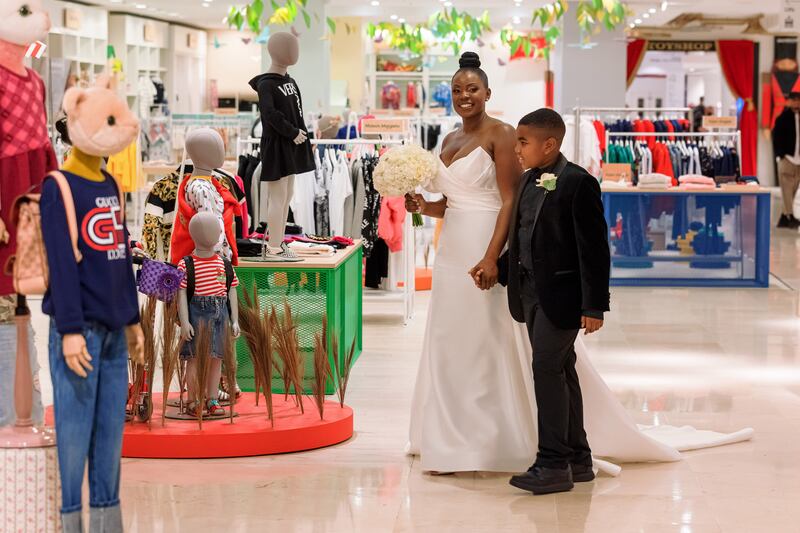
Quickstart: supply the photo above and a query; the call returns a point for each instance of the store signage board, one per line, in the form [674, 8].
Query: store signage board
[149, 32]
[406, 112]
[790, 15]
[681, 46]
[719, 123]
[617, 172]
[384, 125]
[72, 19]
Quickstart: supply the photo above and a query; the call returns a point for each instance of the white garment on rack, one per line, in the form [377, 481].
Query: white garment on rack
[147, 94]
[591, 156]
[302, 202]
[341, 187]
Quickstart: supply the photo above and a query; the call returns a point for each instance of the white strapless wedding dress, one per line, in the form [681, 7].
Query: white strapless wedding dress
[473, 407]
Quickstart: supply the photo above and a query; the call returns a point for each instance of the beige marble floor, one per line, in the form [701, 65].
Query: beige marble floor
[720, 359]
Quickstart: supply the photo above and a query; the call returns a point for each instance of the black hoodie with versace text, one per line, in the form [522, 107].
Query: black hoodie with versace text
[282, 119]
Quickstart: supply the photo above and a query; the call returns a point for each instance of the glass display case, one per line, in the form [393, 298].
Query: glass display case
[688, 238]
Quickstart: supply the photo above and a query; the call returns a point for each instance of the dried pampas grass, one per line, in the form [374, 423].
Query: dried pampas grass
[257, 330]
[229, 362]
[148, 321]
[322, 371]
[342, 368]
[171, 348]
[287, 346]
[202, 364]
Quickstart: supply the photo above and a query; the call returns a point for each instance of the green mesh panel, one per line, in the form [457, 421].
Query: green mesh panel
[311, 293]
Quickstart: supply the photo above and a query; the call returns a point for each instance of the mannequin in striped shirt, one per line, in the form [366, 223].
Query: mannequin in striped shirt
[208, 296]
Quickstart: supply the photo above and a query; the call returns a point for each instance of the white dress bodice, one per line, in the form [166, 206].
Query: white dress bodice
[469, 183]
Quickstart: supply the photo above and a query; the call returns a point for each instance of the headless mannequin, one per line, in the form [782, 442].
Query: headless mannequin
[207, 151]
[205, 232]
[284, 50]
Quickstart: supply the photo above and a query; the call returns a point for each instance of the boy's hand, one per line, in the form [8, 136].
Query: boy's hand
[590, 325]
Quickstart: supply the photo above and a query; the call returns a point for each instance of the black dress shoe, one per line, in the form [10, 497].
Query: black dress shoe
[541, 480]
[786, 222]
[582, 473]
[793, 222]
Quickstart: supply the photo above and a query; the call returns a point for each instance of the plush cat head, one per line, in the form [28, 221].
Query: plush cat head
[98, 121]
[23, 21]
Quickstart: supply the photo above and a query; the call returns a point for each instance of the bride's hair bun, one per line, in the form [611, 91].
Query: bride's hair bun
[469, 60]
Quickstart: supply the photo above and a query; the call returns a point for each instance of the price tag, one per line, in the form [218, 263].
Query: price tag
[384, 126]
[617, 172]
[719, 123]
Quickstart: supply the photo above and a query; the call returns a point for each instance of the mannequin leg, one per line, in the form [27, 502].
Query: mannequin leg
[214, 373]
[279, 195]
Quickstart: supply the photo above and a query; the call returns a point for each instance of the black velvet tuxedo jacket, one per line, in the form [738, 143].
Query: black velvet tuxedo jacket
[571, 259]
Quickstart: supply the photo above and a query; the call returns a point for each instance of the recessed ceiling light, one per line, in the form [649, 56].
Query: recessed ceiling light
[638, 21]
[141, 6]
[393, 17]
[448, 4]
[206, 4]
[375, 3]
[515, 20]
[632, 25]
[401, 21]
[645, 15]
[664, 6]
[652, 10]
[116, 1]
[173, 14]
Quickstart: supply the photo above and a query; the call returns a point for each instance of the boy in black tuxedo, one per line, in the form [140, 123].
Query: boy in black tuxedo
[558, 272]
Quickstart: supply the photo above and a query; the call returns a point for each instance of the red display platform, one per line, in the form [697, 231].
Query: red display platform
[250, 434]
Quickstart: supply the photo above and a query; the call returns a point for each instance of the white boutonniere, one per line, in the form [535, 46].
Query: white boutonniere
[547, 182]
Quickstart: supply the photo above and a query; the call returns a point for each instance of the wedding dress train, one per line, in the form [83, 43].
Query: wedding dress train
[473, 407]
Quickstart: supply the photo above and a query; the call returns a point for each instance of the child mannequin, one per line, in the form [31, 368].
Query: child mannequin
[93, 307]
[210, 303]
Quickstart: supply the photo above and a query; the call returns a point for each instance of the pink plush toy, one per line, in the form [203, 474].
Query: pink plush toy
[26, 154]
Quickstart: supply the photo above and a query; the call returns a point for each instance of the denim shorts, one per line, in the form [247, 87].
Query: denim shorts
[212, 311]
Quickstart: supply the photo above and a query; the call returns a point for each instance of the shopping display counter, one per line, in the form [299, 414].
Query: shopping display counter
[315, 287]
[689, 238]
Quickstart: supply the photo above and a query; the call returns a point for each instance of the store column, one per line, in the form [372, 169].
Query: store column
[312, 72]
[592, 75]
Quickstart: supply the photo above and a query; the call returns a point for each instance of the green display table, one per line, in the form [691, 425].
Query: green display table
[314, 287]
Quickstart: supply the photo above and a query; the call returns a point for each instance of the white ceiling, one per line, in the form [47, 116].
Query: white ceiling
[210, 13]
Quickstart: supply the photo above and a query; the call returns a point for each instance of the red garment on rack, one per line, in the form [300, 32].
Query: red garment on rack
[600, 128]
[390, 222]
[671, 128]
[411, 94]
[662, 162]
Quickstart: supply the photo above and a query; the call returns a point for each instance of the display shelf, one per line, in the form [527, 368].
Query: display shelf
[140, 44]
[714, 238]
[315, 287]
[432, 71]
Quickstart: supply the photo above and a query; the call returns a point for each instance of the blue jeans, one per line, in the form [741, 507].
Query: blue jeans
[90, 417]
[213, 312]
[8, 363]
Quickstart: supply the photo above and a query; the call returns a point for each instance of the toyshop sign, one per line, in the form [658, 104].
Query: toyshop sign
[617, 172]
[384, 125]
[719, 122]
[681, 46]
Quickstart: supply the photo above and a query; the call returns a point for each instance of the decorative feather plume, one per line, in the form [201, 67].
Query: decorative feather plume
[257, 331]
[169, 355]
[229, 362]
[202, 362]
[287, 347]
[322, 371]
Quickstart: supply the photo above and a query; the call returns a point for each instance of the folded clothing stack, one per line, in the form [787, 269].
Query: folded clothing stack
[307, 249]
[695, 182]
[654, 181]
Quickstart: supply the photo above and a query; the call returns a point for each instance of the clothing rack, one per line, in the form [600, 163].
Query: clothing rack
[578, 111]
[735, 134]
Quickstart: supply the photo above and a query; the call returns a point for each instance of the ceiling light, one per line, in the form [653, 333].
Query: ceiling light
[638, 21]
[652, 10]
[515, 20]
[375, 3]
[116, 1]
[401, 21]
[448, 4]
[206, 4]
[393, 17]
[141, 6]
[645, 15]
[664, 5]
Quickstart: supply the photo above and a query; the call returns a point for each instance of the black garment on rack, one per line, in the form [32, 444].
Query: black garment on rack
[432, 133]
[372, 206]
[377, 265]
[282, 118]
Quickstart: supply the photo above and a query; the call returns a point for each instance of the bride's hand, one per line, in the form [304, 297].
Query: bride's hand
[485, 274]
[415, 203]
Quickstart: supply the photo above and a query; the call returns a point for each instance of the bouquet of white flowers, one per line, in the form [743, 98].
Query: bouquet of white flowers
[402, 170]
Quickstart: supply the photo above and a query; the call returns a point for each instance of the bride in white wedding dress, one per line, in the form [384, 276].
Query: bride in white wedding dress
[473, 407]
